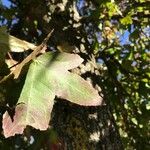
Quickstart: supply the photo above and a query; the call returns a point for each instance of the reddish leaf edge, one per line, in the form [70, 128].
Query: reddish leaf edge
[19, 126]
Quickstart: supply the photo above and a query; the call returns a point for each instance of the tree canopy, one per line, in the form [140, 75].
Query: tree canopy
[97, 55]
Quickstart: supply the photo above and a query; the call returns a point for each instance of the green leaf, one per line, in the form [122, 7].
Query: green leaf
[134, 121]
[126, 20]
[48, 76]
[113, 9]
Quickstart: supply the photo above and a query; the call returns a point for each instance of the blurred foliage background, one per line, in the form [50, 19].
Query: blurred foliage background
[115, 32]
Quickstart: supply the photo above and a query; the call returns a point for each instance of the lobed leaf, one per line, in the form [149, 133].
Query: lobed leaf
[48, 76]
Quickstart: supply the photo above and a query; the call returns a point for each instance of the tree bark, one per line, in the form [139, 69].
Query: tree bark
[85, 128]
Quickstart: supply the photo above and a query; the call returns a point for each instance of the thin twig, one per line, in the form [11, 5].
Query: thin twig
[36, 51]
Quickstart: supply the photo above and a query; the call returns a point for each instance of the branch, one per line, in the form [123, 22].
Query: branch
[36, 51]
[103, 55]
